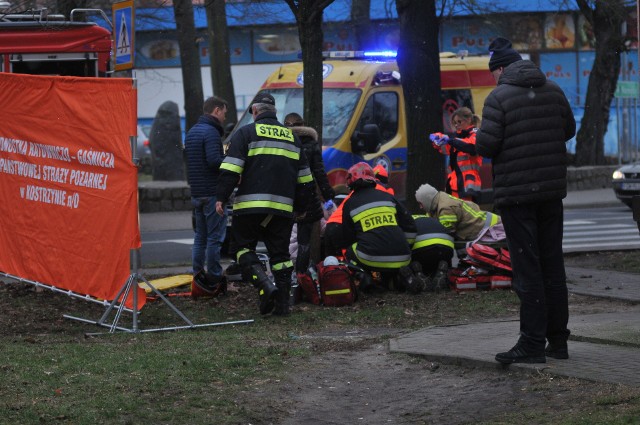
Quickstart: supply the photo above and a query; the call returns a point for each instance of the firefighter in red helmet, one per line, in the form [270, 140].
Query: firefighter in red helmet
[378, 230]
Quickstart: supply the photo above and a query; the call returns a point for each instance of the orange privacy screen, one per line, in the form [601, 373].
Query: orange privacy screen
[68, 188]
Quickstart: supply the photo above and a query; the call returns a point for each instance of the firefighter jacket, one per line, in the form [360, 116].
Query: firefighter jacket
[431, 233]
[463, 219]
[275, 174]
[336, 216]
[380, 227]
[464, 163]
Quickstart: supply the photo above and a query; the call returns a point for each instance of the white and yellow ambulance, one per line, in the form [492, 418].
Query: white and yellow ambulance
[363, 89]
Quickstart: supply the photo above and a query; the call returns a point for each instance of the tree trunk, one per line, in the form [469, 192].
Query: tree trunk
[419, 63]
[607, 18]
[311, 39]
[219, 56]
[189, 61]
[64, 7]
[361, 19]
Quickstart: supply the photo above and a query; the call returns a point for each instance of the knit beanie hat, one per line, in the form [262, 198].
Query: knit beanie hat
[425, 195]
[502, 54]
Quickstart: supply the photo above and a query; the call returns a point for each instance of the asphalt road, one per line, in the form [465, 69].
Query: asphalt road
[585, 230]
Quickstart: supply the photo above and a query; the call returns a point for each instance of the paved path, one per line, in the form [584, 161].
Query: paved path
[477, 345]
[603, 347]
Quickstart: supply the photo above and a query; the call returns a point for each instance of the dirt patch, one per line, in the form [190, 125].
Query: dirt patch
[372, 386]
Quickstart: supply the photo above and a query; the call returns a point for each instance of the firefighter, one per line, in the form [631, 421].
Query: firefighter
[265, 157]
[463, 180]
[463, 219]
[379, 230]
[333, 238]
[432, 250]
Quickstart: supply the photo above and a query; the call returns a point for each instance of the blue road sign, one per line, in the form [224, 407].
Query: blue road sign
[123, 24]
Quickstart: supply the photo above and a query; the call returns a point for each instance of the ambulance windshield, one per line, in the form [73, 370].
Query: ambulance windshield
[337, 109]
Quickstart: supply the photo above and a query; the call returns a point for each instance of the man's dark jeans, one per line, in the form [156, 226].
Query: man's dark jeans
[534, 236]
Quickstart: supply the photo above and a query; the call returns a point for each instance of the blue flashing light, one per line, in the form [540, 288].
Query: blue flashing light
[381, 54]
[358, 54]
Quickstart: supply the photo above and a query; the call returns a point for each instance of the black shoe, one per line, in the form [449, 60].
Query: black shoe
[557, 351]
[409, 281]
[233, 272]
[440, 279]
[518, 354]
[365, 281]
[423, 280]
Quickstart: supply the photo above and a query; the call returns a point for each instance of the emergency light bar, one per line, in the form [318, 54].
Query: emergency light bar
[358, 54]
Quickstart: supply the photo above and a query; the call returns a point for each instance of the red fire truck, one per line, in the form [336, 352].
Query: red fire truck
[39, 43]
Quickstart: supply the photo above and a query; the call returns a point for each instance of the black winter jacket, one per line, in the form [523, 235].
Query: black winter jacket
[309, 139]
[526, 122]
[204, 154]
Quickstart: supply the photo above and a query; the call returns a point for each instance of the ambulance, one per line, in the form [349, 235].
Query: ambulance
[364, 111]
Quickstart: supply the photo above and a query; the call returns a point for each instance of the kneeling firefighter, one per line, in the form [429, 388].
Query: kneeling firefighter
[378, 228]
[265, 157]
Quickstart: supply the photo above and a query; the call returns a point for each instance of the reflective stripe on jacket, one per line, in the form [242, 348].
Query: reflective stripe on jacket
[464, 163]
[464, 219]
[430, 232]
[379, 227]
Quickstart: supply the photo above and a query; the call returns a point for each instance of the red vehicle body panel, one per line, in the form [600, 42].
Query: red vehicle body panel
[64, 37]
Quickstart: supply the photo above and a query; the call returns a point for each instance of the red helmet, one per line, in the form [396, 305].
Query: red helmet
[361, 170]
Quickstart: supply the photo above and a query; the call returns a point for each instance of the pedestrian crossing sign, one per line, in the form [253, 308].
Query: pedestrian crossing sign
[124, 34]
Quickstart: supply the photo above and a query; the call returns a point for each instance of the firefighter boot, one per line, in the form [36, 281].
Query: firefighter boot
[408, 281]
[283, 283]
[440, 279]
[259, 279]
[424, 283]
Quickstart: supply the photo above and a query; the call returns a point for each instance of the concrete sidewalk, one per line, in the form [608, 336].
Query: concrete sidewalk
[603, 347]
[595, 339]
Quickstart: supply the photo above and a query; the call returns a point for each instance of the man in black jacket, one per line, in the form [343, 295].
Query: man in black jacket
[526, 122]
[309, 221]
[275, 182]
[204, 154]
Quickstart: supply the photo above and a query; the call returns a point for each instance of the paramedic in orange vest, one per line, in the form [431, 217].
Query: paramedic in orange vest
[464, 163]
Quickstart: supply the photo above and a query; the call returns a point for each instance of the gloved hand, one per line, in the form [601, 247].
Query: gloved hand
[439, 139]
[434, 137]
[329, 205]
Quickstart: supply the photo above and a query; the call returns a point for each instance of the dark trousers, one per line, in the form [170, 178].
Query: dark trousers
[534, 237]
[430, 256]
[273, 230]
[334, 241]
